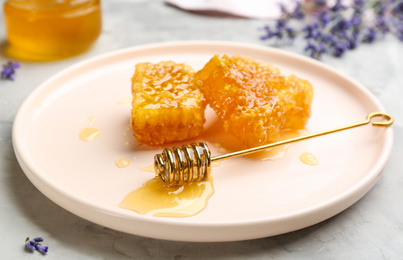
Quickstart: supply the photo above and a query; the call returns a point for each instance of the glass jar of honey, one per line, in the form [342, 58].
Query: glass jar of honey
[43, 30]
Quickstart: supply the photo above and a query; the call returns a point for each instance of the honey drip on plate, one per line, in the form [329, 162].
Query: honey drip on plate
[92, 120]
[220, 148]
[308, 159]
[122, 162]
[127, 129]
[277, 152]
[215, 164]
[149, 168]
[155, 199]
[89, 134]
[125, 101]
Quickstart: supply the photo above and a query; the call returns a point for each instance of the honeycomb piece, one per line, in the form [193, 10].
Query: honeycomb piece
[167, 105]
[254, 100]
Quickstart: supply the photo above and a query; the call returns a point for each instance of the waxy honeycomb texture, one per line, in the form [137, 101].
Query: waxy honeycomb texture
[167, 105]
[254, 100]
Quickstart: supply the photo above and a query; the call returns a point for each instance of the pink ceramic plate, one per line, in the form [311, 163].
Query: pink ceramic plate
[253, 198]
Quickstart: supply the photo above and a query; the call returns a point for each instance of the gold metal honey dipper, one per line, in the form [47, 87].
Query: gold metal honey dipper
[192, 162]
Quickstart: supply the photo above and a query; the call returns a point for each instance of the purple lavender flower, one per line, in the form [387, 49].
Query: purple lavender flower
[398, 9]
[314, 49]
[358, 6]
[312, 31]
[355, 20]
[298, 13]
[352, 43]
[30, 246]
[339, 49]
[397, 20]
[320, 3]
[337, 6]
[8, 70]
[33, 244]
[38, 239]
[341, 26]
[370, 35]
[42, 249]
[324, 18]
[382, 25]
[379, 8]
[282, 28]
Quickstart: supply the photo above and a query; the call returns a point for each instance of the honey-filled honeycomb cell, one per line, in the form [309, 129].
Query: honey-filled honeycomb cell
[253, 99]
[167, 105]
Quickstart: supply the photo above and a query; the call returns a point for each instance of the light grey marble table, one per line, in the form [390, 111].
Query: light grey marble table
[370, 229]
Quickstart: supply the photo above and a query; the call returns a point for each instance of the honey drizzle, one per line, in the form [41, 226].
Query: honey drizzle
[155, 199]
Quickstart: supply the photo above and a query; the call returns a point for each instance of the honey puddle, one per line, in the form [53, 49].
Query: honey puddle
[308, 159]
[277, 152]
[155, 199]
[122, 162]
[89, 134]
[125, 101]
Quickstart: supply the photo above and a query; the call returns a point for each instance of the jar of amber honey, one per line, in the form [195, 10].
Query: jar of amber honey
[51, 29]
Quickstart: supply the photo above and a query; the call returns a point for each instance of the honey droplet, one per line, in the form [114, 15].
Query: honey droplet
[122, 162]
[92, 120]
[220, 148]
[215, 164]
[277, 152]
[127, 129]
[89, 134]
[149, 168]
[125, 101]
[308, 159]
[155, 199]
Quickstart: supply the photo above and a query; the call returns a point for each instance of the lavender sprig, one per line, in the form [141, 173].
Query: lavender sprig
[33, 244]
[282, 30]
[338, 28]
[8, 70]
